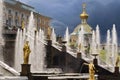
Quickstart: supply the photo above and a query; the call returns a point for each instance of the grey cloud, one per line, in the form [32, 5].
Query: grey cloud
[102, 12]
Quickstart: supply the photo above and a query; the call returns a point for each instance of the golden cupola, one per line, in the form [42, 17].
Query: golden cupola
[86, 27]
[84, 15]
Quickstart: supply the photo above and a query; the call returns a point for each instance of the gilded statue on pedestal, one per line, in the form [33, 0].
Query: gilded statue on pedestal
[23, 24]
[26, 50]
[49, 33]
[91, 71]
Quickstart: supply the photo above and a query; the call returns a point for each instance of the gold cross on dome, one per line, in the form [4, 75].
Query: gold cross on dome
[84, 5]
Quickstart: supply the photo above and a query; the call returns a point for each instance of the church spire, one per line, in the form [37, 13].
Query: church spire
[84, 15]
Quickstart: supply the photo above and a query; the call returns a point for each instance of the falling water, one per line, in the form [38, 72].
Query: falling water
[114, 45]
[1, 18]
[19, 49]
[66, 36]
[37, 47]
[53, 36]
[81, 40]
[108, 46]
[31, 22]
[40, 50]
[93, 48]
[1, 27]
[41, 35]
[37, 55]
[97, 38]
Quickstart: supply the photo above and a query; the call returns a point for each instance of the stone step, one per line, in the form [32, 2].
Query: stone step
[13, 78]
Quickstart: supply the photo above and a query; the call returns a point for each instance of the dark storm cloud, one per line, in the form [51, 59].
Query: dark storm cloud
[106, 16]
[102, 12]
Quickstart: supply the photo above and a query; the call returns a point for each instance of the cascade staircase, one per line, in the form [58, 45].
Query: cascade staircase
[70, 62]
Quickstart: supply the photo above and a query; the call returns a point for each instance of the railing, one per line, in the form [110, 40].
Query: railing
[88, 59]
[9, 31]
[10, 69]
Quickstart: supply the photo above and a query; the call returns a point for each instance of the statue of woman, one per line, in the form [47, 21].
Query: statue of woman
[91, 71]
[23, 24]
[26, 51]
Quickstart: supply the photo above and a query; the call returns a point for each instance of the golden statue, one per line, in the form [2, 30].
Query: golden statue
[23, 24]
[117, 62]
[26, 51]
[91, 71]
[48, 32]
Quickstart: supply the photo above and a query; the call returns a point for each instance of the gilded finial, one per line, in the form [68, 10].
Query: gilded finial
[84, 6]
[84, 15]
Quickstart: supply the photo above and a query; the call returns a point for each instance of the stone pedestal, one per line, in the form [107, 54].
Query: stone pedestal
[116, 70]
[79, 55]
[63, 46]
[25, 70]
[95, 61]
[49, 42]
[49, 54]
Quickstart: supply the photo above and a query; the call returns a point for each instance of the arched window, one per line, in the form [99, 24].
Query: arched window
[9, 11]
[9, 21]
[16, 22]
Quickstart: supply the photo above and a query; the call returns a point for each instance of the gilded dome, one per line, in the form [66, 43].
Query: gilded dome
[87, 29]
[84, 15]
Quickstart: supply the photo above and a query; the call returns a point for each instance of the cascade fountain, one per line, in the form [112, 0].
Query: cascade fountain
[1, 18]
[36, 41]
[39, 53]
[1, 26]
[53, 36]
[98, 38]
[93, 47]
[18, 49]
[108, 47]
[81, 40]
[3, 66]
[37, 47]
[114, 45]
[66, 37]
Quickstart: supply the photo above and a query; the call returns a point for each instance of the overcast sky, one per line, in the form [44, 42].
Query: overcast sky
[102, 12]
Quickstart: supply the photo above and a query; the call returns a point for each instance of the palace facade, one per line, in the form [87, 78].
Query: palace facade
[16, 14]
